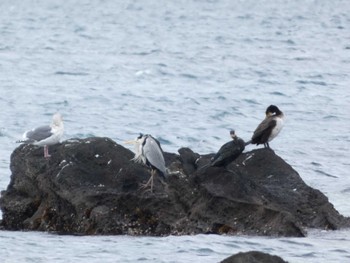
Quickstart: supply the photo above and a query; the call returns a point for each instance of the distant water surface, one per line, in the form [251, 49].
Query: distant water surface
[186, 72]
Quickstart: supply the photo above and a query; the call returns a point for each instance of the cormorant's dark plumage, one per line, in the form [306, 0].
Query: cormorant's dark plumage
[269, 128]
[229, 151]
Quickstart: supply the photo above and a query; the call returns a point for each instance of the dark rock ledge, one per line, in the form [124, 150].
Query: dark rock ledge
[91, 187]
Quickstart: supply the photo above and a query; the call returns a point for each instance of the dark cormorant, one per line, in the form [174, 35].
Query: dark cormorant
[269, 128]
[229, 151]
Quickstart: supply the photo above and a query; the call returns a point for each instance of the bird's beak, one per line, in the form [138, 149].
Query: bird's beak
[269, 114]
[130, 142]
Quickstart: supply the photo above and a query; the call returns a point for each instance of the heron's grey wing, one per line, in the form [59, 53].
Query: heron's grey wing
[154, 154]
[267, 124]
[39, 133]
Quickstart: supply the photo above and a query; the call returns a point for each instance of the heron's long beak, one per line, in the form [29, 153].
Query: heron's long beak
[130, 142]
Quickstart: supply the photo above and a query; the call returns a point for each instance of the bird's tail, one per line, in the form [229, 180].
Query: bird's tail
[248, 142]
[27, 141]
[164, 174]
[23, 141]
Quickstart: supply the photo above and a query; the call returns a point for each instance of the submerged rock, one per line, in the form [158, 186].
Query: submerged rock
[253, 257]
[90, 186]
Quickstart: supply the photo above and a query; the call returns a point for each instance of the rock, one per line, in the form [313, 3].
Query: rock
[90, 187]
[253, 257]
[188, 160]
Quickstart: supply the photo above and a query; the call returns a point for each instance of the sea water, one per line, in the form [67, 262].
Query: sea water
[186, 72]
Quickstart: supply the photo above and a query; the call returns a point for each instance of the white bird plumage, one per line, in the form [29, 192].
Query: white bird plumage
[45, 135]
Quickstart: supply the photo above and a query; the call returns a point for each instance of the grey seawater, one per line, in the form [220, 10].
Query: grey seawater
[319, 246]
[186, 72]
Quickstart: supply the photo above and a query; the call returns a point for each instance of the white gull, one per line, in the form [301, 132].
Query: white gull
[45, 135]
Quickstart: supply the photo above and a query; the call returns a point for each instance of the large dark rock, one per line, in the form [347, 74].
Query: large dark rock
[90, 186]
[253, 257]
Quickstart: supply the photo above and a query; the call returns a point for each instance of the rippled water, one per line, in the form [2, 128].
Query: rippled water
[41, 247]
[186, 72]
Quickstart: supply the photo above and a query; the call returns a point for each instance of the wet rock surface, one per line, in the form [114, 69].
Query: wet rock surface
[90, 186]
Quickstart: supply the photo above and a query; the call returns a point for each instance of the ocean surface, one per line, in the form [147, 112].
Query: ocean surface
[186, 72]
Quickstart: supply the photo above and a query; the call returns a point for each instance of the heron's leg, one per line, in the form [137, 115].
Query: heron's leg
[149, 182]
[46, 152]
[152, 176]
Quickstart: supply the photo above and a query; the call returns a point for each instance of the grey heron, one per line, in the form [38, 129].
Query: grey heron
[269, 128]
[229, 151]
[45, 135]
[149, 152]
